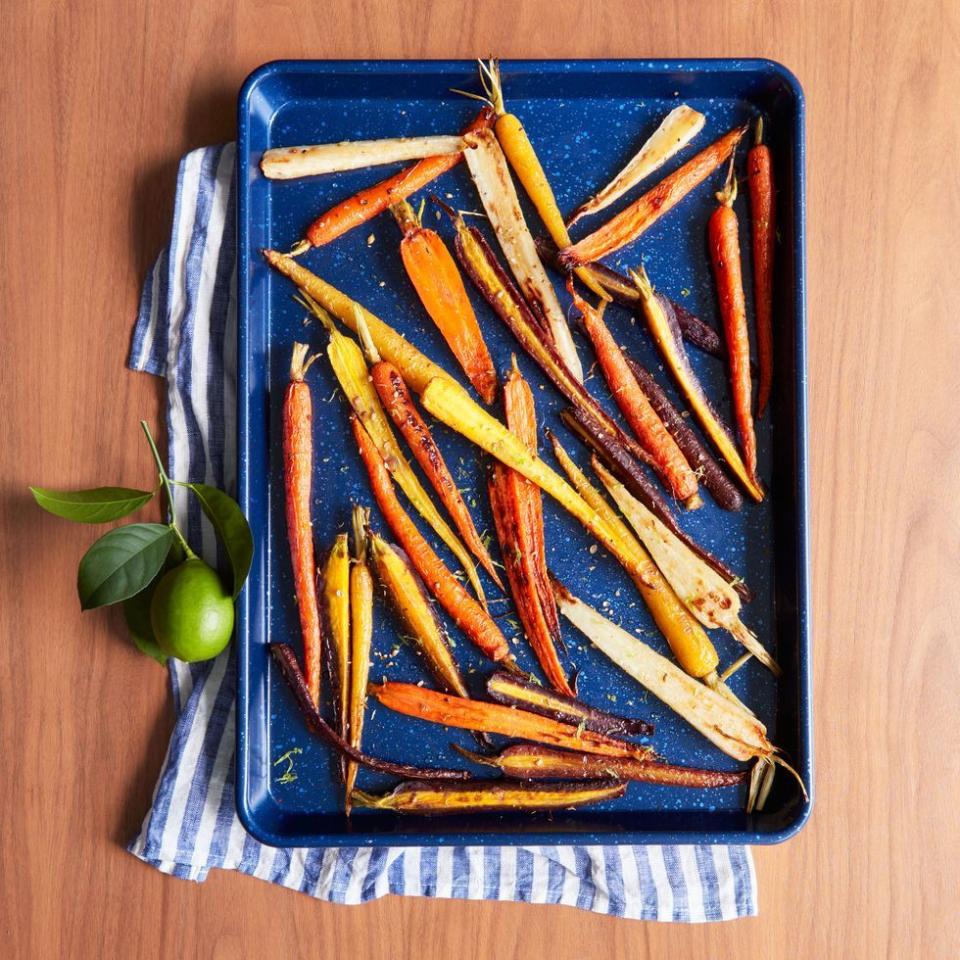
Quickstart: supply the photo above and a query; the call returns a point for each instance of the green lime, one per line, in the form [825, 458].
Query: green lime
[191, 613]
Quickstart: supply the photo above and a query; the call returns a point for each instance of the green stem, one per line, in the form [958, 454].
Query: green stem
[165, 480]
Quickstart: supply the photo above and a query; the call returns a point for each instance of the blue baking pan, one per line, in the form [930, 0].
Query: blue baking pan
[585, 119]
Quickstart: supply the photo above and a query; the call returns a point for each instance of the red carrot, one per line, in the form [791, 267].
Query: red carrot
[297, 474]
[764, 231]
[724, 245]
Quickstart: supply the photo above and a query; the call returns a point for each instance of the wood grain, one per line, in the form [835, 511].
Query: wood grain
[98, 102]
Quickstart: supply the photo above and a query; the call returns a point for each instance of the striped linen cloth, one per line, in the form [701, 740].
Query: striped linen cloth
[186, 332]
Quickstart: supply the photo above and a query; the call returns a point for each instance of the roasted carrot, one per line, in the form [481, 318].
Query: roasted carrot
[640, 486]
[666, 334]
[764, 233]
[403, 412]
[710, 472]
[582, 423]
[517, 561]
[724, 244]
[425, 704]
[372, 201]
[534, 762]
[527, 695]
[676, 130]
[350, 368]
[361, 638]
[627, 225]
[286, 660]
[491, 176]
[623, 291]
[635, 407]
[335, 594]
[520, 412]
[435, 277]
[526, 164]
[452, 405]
[473, 619]
[725, 723]
[290, 163]
[297, 476]
[416, 369]
[407, 595]
[488, 276]
[479, 796]
[691, 646]
[703, 591]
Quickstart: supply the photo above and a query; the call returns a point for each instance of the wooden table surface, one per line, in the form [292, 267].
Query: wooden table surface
[99, 101]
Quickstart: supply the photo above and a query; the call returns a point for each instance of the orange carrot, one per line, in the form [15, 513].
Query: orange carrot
[648, 427]
[426, 704]
[399, 404]
[369, 203]
[627, 225]
[475, 622]
[764, 233]
[297, 475]
[521, 415]
[519, 555]
[434, 275]
[724, 245]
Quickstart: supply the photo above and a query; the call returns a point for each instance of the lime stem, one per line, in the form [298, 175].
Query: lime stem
[165, 480]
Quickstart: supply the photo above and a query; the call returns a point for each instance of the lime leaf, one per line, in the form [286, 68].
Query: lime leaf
[121, 563]
[232, 529]
[136, 612]
[99, 505]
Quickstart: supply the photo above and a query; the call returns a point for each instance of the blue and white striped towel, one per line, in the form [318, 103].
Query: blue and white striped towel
[186, 332]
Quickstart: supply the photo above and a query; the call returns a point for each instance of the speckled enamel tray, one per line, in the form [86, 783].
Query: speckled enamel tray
[585, 119]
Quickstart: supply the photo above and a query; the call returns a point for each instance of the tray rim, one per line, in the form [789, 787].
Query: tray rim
[412, 837]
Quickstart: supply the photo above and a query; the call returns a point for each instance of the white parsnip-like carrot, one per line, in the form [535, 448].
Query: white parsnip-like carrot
[290, 163]
[491, 174]
[678, 128]
[703, 591]
[729, 727]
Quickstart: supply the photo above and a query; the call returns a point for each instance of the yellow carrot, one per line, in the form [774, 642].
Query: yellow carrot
[335, 592]
[526, 165]
[416, 369]
[361, 638]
